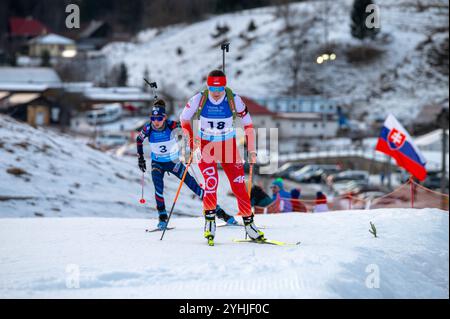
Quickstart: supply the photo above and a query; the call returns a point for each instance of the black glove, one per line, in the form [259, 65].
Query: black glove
[142, 164]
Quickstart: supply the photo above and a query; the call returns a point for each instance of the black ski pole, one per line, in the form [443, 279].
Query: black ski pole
[225, 48]
[153, 86]
[178, 193]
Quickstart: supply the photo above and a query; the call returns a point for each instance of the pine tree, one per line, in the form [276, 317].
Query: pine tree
[252, 26]
[145, 87]
[123, 75]
[359, 27]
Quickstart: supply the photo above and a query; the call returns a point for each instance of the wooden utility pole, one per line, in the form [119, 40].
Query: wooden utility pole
[443, 118]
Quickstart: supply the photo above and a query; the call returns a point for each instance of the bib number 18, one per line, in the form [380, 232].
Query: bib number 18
[220, 125]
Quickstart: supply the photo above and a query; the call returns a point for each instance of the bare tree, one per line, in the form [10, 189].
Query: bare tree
[296, 29]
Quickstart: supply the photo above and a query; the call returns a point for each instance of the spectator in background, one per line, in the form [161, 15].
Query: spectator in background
[280, 194]
[259, 197]
[297, 205]
[382, 178]
[321, 203]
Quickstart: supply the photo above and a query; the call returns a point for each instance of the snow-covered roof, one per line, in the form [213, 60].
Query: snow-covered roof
[16, 77]
[77, 87]
[22, 98]
[3, 95]
[52, 39]
[123, 94]
[25, 87]
[429, 138]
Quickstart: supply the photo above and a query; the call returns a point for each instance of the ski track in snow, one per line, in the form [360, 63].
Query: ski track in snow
[117, 259]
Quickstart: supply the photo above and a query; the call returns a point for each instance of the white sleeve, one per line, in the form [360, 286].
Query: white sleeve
[191, 108]
[240, 107]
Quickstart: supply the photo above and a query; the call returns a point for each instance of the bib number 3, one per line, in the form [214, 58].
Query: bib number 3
[163, 149]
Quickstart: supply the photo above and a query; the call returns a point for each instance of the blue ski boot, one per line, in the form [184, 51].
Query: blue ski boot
[232, 221]
[225, 217]
[163, 217]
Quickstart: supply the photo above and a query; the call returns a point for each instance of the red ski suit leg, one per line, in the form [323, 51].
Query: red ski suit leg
[227, 154]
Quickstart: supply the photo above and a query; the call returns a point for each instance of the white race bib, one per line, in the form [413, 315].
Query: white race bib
[216, 127]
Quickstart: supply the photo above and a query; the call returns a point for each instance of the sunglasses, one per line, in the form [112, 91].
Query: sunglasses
[157, 118]
[217, 88]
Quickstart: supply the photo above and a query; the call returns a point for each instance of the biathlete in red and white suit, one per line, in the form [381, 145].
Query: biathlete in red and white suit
[216, 109]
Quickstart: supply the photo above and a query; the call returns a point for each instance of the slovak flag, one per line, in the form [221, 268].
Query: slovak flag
[397, 143]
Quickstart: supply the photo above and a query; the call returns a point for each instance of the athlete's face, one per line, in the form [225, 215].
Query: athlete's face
[158, 121]
[217, 95]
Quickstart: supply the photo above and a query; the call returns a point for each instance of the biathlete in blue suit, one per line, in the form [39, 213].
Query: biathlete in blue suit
[165, 155]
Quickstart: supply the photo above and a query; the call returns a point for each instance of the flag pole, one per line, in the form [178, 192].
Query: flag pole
[389, 172]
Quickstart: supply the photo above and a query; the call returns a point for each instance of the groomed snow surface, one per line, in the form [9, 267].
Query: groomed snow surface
[338, 258]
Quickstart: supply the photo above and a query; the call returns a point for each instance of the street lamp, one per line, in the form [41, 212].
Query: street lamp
[326, 57]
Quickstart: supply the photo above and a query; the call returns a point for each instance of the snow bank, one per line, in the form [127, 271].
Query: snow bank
[338, 258]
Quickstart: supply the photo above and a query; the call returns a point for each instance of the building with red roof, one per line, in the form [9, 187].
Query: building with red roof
[26, 28]
[261, 116]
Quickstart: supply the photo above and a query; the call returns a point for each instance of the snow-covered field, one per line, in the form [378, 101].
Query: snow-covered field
[101, 246]
[338, 258]
[401, 81]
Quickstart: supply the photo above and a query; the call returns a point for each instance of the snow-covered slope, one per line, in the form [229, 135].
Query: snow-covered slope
[57, 176]
[401, 81]
[338, 258]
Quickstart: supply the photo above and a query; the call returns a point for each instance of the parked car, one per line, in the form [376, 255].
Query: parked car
[351, 176]
[433, 181]
[312, 173]
[287, 168]
[102, 114]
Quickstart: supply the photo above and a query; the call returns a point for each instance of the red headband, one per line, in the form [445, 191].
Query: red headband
[217, 81]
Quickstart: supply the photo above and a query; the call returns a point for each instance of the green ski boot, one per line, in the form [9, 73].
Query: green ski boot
[210, 238]
[210, 226]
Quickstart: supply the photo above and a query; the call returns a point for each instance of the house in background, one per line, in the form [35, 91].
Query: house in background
[294, 125]
[33, 95]
[57, 46]
[300, 104]
[20, 31]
